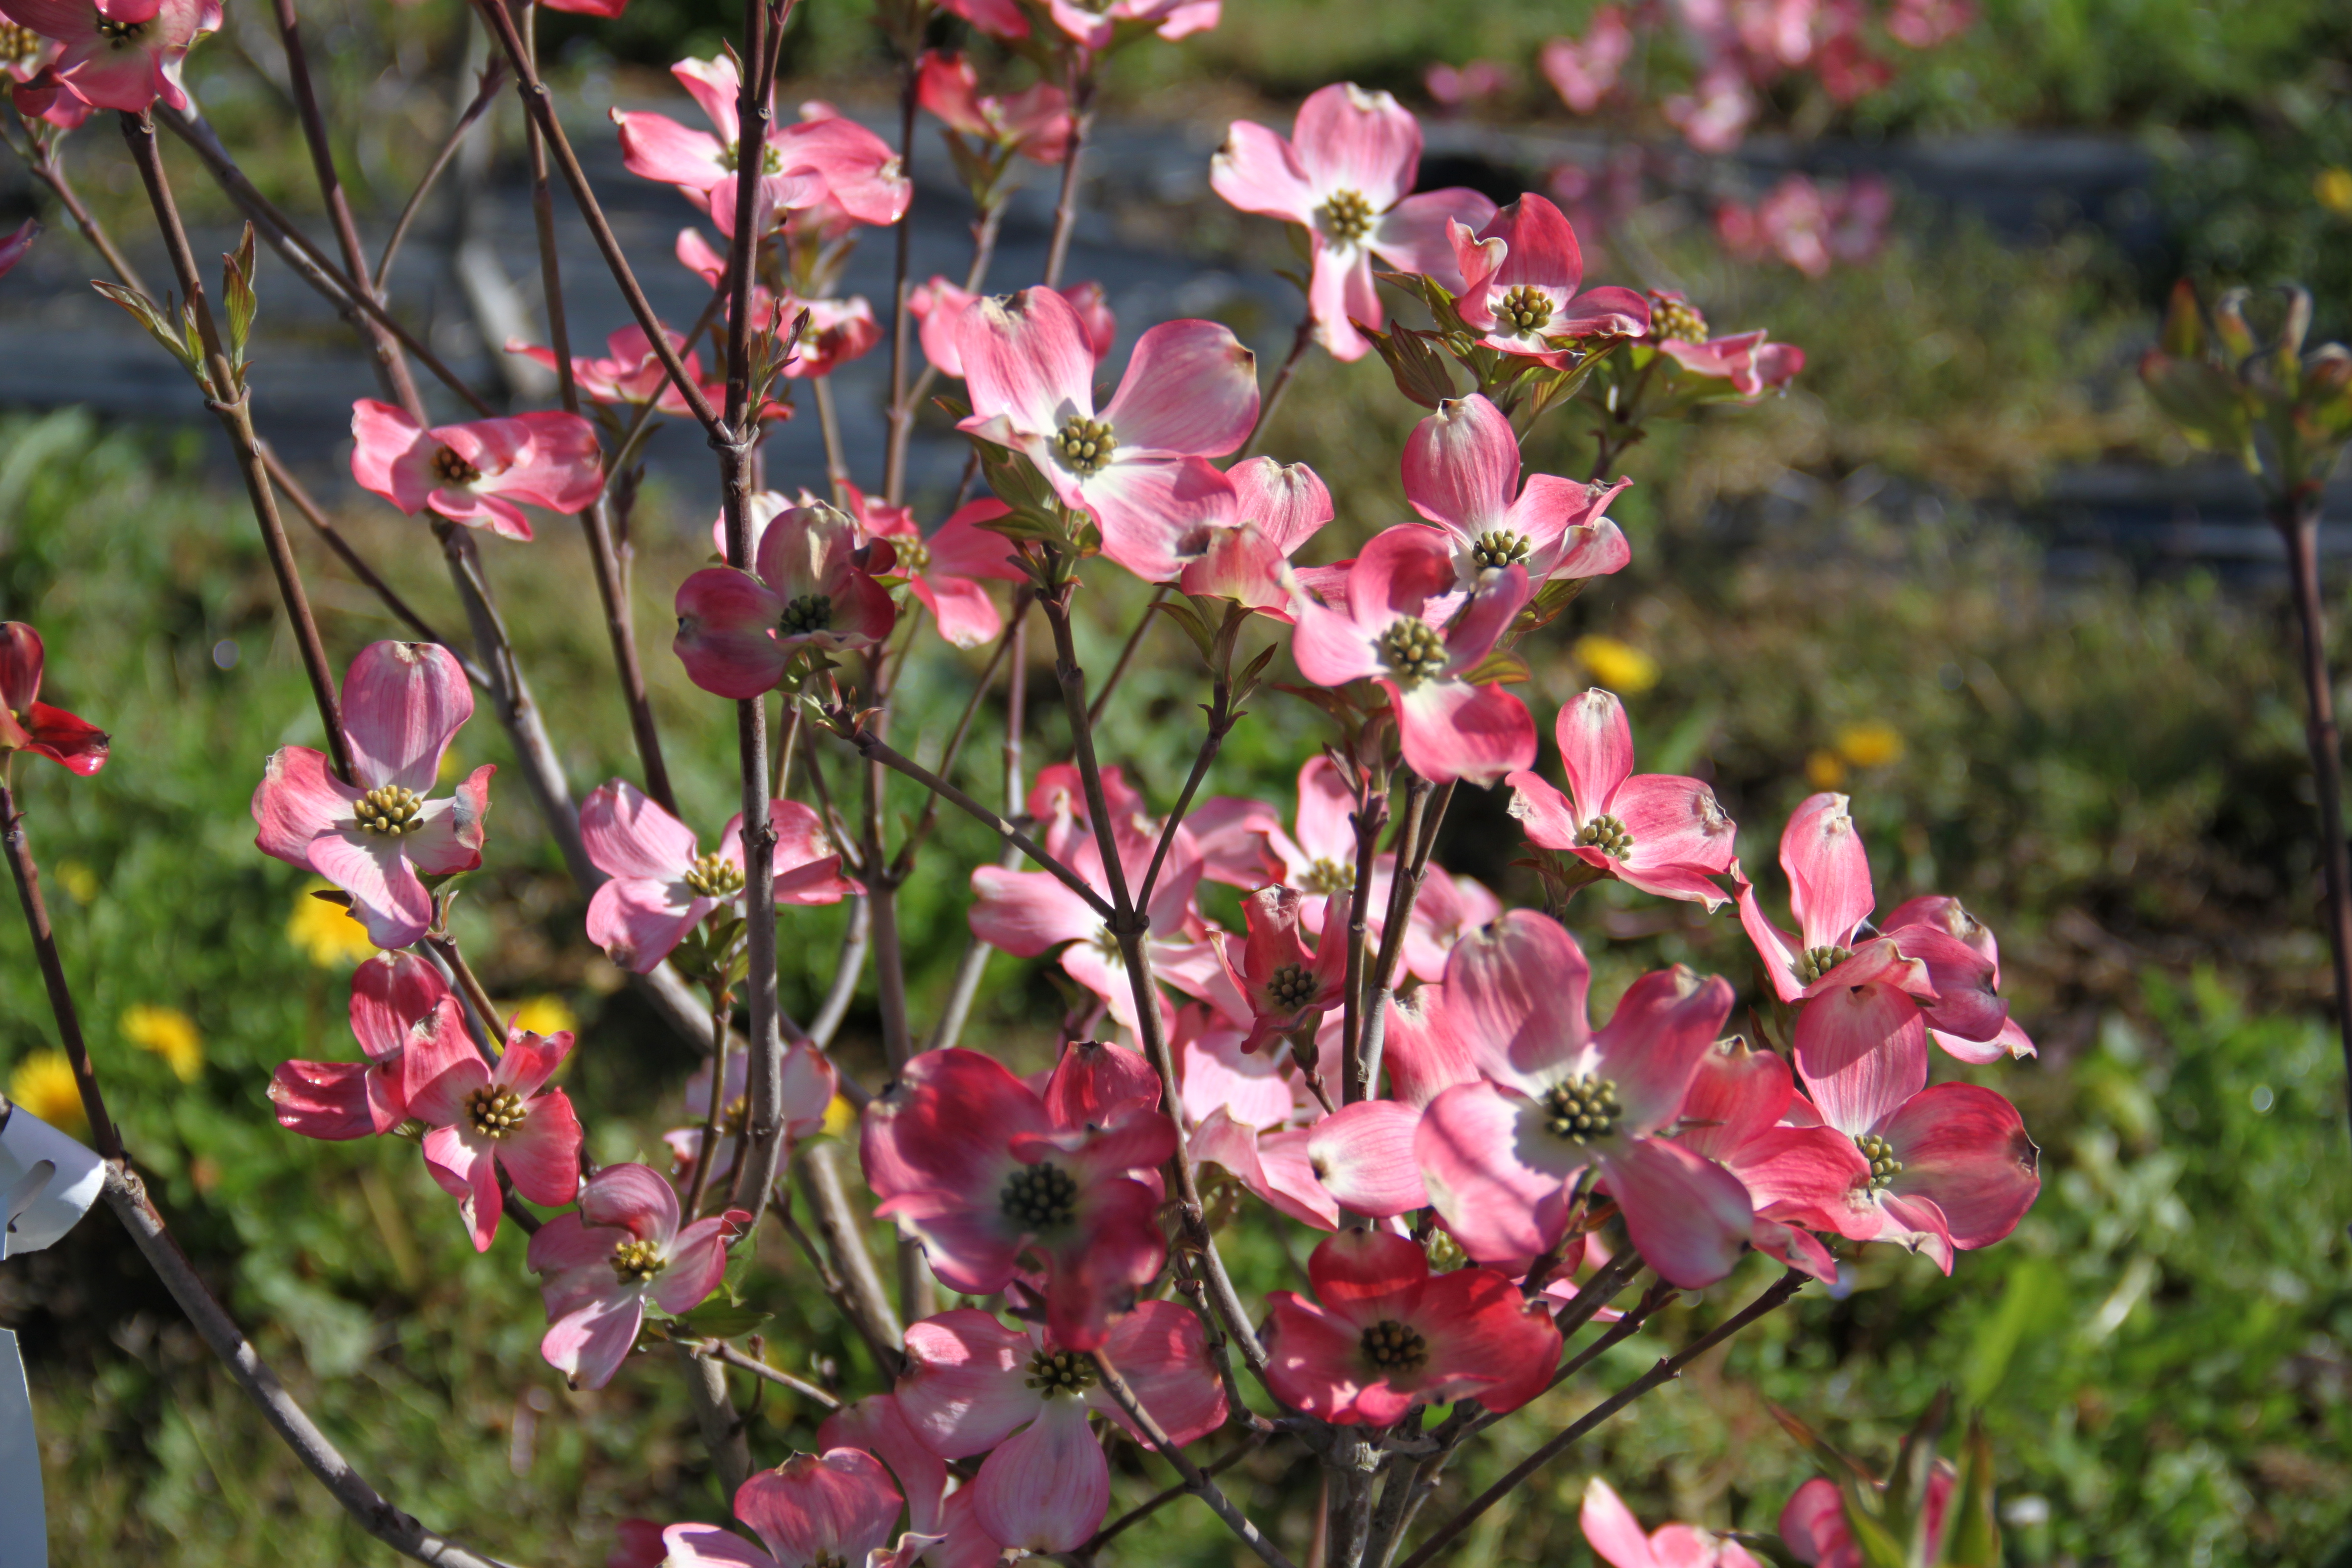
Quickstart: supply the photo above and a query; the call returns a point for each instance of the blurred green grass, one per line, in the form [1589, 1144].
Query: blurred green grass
[2109, 770]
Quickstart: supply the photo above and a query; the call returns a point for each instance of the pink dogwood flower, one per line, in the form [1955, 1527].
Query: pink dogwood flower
[1288, 986]
[1213, 1073]
[1859, 983]
[475, 473]
[1022, 1396]
[1658, 832]
[1612, 1532]
[981, 1169]
[1096, 28]
[1388, 1335]
[1278, 507]
[1344, 175]
[945, 571]
[1555, 1104]
[1813, 1525]
[1752, 365]
[1140, 469]
[403, 702]
[1027, 913]
[1273, 1164]
[1389, 633]
[28, 724]
[1798, 1178]
[483, 1116]
[940, 306]
[1949, 1168]
[601, 1264]
[738, 631]
[1033, 122]
[806, 1087]
[1462, 472]
[663, 885]
[630, 374]
[806, 160]
[119, 54]
[834, 1509]
[1520, 277]
[395, 997]
[1584, 70]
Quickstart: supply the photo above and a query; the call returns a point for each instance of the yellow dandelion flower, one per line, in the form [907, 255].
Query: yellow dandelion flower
[840, 1116]
[78, 880]
[1824, 771]
[170, 1033]
[543, 1015]
[2333, 187]
[326, 932]
[1872, 746]
[1619, 666]
[43, 1083]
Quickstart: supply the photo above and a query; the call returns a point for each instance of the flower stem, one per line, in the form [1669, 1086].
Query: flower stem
[1196, 1480]
[27, 877]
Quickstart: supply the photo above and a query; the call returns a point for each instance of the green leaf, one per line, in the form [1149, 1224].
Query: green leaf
[723, 1321]
[1971, 1533]
[1420, 374]
[236, 292]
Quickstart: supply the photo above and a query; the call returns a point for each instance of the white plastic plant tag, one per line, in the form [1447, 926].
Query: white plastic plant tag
[48, 1182]
[24, 1523]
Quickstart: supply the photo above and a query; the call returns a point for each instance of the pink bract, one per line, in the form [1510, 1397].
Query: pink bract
[1345, 175]
[1813, 1525]
[119, 54]
[835, 1508]
[1021, 1396]
[1613, 1532]
[1279, 507]
[475, 473]
[1554, 1105]
[945, 571]
[1798, 1178]
[1288, 986]
[601, 1264]
[981, 1169]
[631, 373]
[806, 1087]
[395, 996]
[1584, 70]
[28, 724]
[1139, 468]
[485, 1117]
[1752, 365]
[1033, 122]
[371, 838]
[1388, 1335]
[1393, 633]
[939, 308]
[1520, 277]
[737, 632]
[1658, 832]
[13, 249]
[1095, 26]
[1462, 472]
[663, 885]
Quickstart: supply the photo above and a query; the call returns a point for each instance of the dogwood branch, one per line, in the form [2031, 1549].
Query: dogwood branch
[1670, 1366]
[719, 1350]
[494, 78]
[1196, 1481]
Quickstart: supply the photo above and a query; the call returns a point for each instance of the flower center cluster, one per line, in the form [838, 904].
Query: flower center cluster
[1443, 1252]
[1412, 650]
[731, 158]
[391, 810]
[17, 43]
[1884, 1166]
[809, 612]
[1040, 1198]
[1086, 445]
[120, 33]
[453, 470]
[1526, 309]
[1582, 1108]
[494, 1111]
[1500, 547]
[1060, 1371]
[1291, 987]
[1816, 961]
[1606, 835]
[1394, 1346]
[713, 876]
[1675, 318]
[1346, 216]
[635, 1261]
[1328, 876]
[913, 554]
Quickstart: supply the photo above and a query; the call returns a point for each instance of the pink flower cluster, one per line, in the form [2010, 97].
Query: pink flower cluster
[1811, 227]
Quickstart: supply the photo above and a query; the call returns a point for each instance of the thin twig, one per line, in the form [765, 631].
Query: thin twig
[1196, 1480]
[1282, 380]
[707, 1152]
[1159, 1500]
[228, 402]
[844, 1235]
[1666, 1368]
[1081, 88]
[1127, 653]
[27, 876]
[494, 79]
[719, 1350]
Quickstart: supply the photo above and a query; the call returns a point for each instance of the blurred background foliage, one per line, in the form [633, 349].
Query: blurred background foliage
[1829, 590]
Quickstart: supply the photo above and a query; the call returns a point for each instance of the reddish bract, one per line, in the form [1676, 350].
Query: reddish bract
[28, 724]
